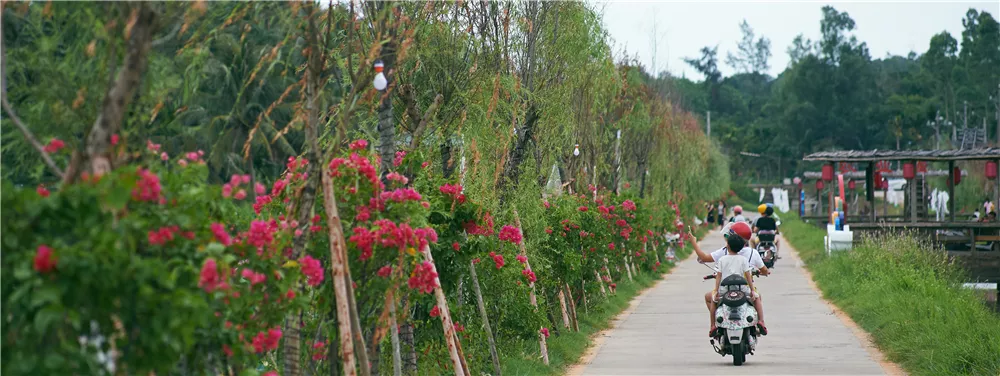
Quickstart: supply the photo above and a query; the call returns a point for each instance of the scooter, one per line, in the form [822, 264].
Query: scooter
[736, 320]
[766, 247]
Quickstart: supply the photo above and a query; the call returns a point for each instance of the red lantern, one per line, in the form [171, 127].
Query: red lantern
[827, 172]
[819, 185]
[877, 180]
[851, 185]
[922, 167]
[958, 175]
[908, 172]
[991, 170]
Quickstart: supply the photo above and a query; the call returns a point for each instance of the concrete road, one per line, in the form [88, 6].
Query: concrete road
[666, 332]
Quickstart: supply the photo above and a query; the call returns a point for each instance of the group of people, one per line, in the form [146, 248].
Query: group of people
[988, 208]
[739, 256]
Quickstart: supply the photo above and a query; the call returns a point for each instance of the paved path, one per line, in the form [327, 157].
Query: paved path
[667, 332]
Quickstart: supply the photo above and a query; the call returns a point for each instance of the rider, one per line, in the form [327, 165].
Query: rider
[767, 222]
[738, 233]
[737, 215]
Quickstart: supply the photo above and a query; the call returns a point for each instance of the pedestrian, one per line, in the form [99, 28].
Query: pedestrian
[721, 213]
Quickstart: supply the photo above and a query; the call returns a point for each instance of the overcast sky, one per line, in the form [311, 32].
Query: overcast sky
[889, 27]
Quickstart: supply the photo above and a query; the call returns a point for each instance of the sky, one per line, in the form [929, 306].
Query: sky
[888, 27]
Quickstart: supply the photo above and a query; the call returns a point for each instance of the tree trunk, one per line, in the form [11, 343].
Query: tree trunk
[572, 307]
[96, 156]
[562, 307]
[386, 125]
[485, 318]
[447, 165]
[511, 169]
[359, 339]
[410, 361]
[600, 282]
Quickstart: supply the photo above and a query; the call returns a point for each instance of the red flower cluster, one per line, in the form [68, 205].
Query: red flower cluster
[254, 277]
[511, 234]
[260, 234]
[582, 209]
[219, 231]
[385, 271]
[42, 191]
[262, 200]
[397, 177]
[424, 278]
[210, 279]
[312, 269]
[398, 160]
[319, 348]
[359, 144]
[628, 205]
[454, 191]
[266, 341]
[435, 312]
[545, 332]
[163, 235]
[54, 145]
[530, 275]
[522, 259]
[401, 195]
[44, 260]
[147, 187]
[456, 246]
[497, 259]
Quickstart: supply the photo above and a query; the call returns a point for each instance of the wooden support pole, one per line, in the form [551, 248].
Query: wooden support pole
[485, 318]
[951, 190]
[532, 297]
[338, 266]
[449, 326]
[912, 187]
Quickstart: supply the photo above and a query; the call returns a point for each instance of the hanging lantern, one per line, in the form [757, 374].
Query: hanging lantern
[576, 150]
[851, 184]
[908, 172]
[827, 172]
[922, 167]
[991, 170]
[380, 82]
[877, 180]
[958, 175]
[819, 185]
[797, 180]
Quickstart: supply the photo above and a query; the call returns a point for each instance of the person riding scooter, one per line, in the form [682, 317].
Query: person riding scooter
[765, 228]
[740, 234]
[738, 215]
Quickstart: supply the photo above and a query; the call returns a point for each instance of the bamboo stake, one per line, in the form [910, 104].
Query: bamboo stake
[397, 356]
[338, 265]
[562, 306]
[583, 293]
[572, 308]
[532, 297]
[627, 269]
[601, 283]
[485, 318]
[449, 326]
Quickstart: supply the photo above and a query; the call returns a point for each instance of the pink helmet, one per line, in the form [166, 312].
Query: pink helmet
[738, 209]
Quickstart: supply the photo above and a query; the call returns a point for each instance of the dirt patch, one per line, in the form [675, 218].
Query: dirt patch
[889, 367]
[597, 340]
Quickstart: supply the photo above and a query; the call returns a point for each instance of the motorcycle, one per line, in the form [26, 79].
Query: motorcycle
[766, 247]
[736, 320]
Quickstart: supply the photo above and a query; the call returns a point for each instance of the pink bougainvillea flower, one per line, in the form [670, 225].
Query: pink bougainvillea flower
[398, 160]
[424, 278]
[628, 205]
[548, 230]
[42, 191]
[456, 246]
[363, 214]
[210, 279]
[273, 372]
[335, 166]
[435, 312]
[45, 261]
[511, 234]
[545, 332]
[254, 277]
[266, 341]
[242, 194]
[498, 261]
[290, 294]
[451, 189]
[522, 259]
[459, 328]
[425, 164]
[279, 186]
[611, 246]
[259, 189]
[245, 179]
[546, 204]
[261, 201]
[401, 195]
[114, 139]
[359, 144]
[260, 234]
[54, 145]
[147, 187]
[621, 223]
[312, 269]
[397, 177]
[319, 351]
[227, 190]
[385, 271]
[582, 208]
[530, 275]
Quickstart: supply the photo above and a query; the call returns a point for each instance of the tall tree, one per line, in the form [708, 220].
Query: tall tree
[752, 54]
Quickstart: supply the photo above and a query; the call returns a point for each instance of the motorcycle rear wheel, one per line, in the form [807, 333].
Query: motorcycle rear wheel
[739, 353]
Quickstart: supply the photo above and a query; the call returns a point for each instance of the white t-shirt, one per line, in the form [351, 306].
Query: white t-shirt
[733, 265]
[753, 259]
[739, 218]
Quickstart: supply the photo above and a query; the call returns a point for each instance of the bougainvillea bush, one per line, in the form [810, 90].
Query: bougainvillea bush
[149, 268]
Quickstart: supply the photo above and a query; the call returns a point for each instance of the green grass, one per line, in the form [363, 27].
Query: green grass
[909, 298]
[566, 348]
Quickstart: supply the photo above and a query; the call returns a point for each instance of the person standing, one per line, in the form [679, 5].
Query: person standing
[721, 213]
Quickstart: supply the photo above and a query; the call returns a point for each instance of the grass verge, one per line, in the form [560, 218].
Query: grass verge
[908, 297]
[566, 348]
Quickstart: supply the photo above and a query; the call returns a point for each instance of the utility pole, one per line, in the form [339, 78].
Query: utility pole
[965, 114]
[709, 125]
